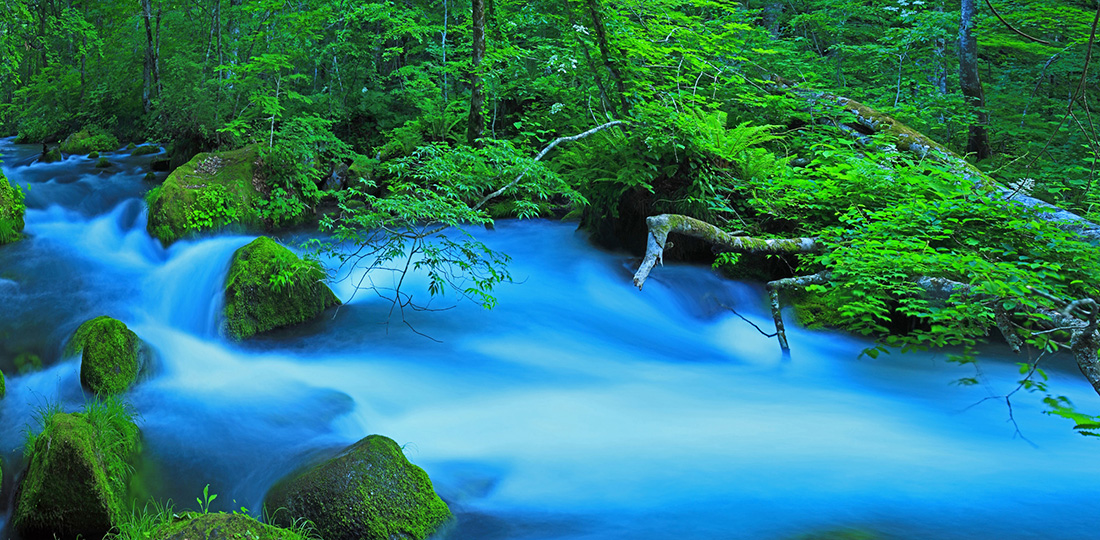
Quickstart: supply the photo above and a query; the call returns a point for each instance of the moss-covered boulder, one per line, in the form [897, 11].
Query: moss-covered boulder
[88, 140]
[269, 287]
[102, 163]
[51, 156]
[369, 491]
[93, 155]
[75, 484]
[222, 526]
[145, 149]
[11, 211]
[112, 355]
[207, 193]
[3, 386]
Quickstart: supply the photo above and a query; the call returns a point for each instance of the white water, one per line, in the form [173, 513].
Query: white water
[578, 408]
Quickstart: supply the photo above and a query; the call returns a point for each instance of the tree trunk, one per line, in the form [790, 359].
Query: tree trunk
[977, 143]
[608, 61]
[773, 9]
[476, 126]
[147, 67]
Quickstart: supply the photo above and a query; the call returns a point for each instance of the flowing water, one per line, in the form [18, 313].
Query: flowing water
[579, 408]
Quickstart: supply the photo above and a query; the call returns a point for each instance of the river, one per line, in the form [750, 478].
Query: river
[578, 408]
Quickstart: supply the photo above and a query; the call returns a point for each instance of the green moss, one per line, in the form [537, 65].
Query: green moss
[76, 476]
[26, 362]
[112, 355]
[88, 140]
[150, 177]
[222, 526]
[102, 163]
[207, 193]
[145, 149]
[369, 491]
[11, 211]
[53, 156]
[269, 287]
[130, 146]
[818, 309]
[3, 386]
[93, 155]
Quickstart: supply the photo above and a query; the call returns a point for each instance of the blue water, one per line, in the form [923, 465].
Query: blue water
[578, 408]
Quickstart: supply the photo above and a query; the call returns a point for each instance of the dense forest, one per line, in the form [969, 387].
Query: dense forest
[920, 172]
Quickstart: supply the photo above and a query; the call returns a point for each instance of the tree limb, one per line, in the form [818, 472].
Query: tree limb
[660, 226]
[542, 154]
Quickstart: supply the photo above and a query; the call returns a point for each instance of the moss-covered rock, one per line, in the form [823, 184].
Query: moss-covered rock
[150, 177]
[93, 155]
[76, 477]
[102, 163]
[222, 526]
[145, 149]
[207, 193]
[269, 287]
[88, 140]
[3, 386]
[369, 491]
[160, 164]
[112, 355]
[51, 156]
[11, 211]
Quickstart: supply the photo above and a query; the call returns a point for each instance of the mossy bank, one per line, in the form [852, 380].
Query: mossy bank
[222, 526]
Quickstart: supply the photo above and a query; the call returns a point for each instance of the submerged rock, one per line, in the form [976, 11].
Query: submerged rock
[75, 483]
[207, 193]
[269, 287]
[144, 150]
[369, 491]
[102, 163]
[160, 164]
[112, 355]
[11, 212]
[222, 526]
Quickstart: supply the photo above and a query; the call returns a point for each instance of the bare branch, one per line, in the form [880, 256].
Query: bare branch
[542, 154]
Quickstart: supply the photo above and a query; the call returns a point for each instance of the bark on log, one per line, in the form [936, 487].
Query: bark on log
[660, 226]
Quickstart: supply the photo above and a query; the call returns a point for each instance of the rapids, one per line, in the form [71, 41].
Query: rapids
[578, 408]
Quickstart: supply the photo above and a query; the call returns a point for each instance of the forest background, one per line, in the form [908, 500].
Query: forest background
[415, 118]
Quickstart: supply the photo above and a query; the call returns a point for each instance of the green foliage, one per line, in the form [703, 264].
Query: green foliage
[206, 499]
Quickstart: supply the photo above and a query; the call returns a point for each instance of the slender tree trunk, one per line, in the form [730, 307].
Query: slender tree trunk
[772, 11]
[605, 50]
[977, 143]
[147, 68]
[476, 125]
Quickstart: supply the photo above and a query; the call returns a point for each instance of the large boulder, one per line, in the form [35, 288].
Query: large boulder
[269, 287]
[369, 491]
[212, 191]
[88, 140]
[222, 526]
[111, 355]
[75, 483]
[11, 212]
